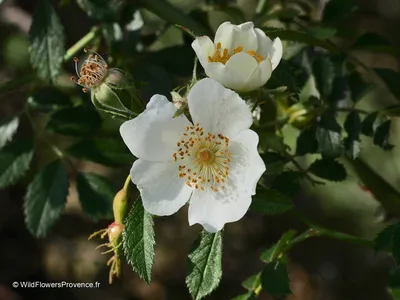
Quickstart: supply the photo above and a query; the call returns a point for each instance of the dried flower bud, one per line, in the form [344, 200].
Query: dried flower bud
[178, 100]
[112, 90]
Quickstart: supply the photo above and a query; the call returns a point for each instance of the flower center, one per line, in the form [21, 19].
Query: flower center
[92, 71]
[203, 159]
[222, 55]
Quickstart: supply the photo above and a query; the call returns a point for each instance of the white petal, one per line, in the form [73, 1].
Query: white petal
[162, 191]
[236, 72]
[217, 109]
[231, 36]
[214, 209]
[153, 134]
[246, 165]
[269, 48]
[204, 47]
[260, 76]
[277, 53]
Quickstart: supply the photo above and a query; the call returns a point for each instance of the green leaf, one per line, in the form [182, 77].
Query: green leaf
[324, 73]
[383, 192]
[138, 240]
[105, 10]
[8, 127]
[47, 42]
[96, 195]
[322, 33]
[75, 121]
[337, 10]
[374, 42]
[45, 198]
[273, 252]
[49, 99]
[252, 282]
[391, 78]
[270, 202]
[274, 163]
[328, 169]
[297, 36]
[287, 183]
[389, 239]
[275, 280]
[381, 137]
[384, 239]
[247, 296]
[369, 124]
[15, 159]
[206, 265]
[358, 87]
[306, 141]
[328, 136]
[106, 151]
[353, 127]
[173, 15]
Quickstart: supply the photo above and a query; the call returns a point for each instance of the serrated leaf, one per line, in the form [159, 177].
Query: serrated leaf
[8, 127]
[206, 265]
[328, 169]
[247, 296]
[274, 163]
[15, 159]
[369, 124]
[383, 192]
[272, 253]
[252, 282]
[49, 99]
[270, 141]
[287, 183]
[138, 240]
[46, 42]
[353, 127]
[381, 136]
[391, 79]
[384, 238]
[96, 194]
[374, 42]
[45, 198]
[75, 121]
[275, 280]
[270, 202]
[358, 87]
[297, 36]
[306, 141]
[337, 10]
[105, 10]
[107, 151]
[328, 136]
[324, 73]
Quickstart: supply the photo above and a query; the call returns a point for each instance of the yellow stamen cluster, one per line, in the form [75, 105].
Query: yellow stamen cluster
[203, 159]
[92, 71]
[223, 55]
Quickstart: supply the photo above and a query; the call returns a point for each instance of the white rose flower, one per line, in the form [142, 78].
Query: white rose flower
[241, 57]
[213, 161]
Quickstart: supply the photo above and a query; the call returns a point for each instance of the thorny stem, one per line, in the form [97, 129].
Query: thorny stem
[301, 169]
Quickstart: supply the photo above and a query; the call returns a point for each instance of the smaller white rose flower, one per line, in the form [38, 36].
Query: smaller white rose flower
[241, 57]
[213, 161]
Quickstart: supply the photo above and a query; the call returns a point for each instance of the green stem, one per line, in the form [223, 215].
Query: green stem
[82, 43]
[322, 232]
[261, 6]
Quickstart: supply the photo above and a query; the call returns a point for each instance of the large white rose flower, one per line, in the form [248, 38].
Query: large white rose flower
[213, 161]
[241, 57]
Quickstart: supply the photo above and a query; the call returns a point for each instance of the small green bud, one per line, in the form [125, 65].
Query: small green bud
[121, 206]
